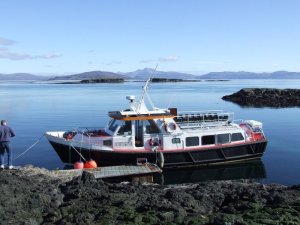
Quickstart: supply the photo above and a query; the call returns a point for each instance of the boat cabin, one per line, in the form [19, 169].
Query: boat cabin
[165, 130]
[131, 130]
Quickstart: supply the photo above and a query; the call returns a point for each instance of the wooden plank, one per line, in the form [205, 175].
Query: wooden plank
[112, 171]
[119, 171]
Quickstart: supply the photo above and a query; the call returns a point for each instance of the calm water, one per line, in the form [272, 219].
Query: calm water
[32, 109]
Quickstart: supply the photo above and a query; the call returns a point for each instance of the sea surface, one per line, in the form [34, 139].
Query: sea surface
[31, 109]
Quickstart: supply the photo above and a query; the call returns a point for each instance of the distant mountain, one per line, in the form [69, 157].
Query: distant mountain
[89, 75]
[148, 72]
[251, 75]
[21, 76]
[285, 75]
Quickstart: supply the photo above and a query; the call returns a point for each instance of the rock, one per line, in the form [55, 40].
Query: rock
[87, 178]
[265, 97]
[32, 198]
[167, 216]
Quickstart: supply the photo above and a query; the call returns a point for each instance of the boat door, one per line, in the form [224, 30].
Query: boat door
[139, 133]
[124, 135]
[152, 135]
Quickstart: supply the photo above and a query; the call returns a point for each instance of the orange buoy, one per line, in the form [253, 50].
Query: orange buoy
[78, 165]
[90, 164]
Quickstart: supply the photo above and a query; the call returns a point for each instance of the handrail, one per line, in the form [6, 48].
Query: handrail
[204, 119]
[203, 111]
[96, 128]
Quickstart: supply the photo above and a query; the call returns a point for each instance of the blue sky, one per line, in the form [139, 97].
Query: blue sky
[69, 36]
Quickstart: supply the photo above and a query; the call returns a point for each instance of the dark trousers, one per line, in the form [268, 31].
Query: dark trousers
[5, 146]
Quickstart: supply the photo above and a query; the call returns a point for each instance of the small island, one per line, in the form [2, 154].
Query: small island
[165, 80]
[102, 80]
[265, 97]
[94, 81]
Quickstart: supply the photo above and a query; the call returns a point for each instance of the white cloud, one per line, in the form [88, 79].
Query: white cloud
[5, 41]
[6, 54]
[171, 58]
[49, 56]
[147, 61]
[111, 63]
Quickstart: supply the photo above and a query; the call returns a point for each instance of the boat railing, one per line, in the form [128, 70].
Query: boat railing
[89, 132]
[89, 128]
[86, 133]
[203, 119]
[252, 130]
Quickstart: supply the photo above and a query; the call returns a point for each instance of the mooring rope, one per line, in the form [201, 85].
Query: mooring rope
[78, 152]
[38, 140]
[35, 143]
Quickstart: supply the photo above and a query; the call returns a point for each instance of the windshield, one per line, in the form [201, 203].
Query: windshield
[113, 126]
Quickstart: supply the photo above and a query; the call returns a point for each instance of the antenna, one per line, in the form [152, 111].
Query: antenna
[145, 89]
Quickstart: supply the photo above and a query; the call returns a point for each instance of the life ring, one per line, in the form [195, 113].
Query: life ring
[170, 127]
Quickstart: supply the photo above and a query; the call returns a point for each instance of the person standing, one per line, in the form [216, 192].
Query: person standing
[5, 134]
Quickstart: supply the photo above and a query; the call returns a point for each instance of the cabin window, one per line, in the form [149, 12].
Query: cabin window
[107, 143]
[151, 127]
[176, 141]
[223, 138]
[208, 140]
[192, 141]
[125, 128]
[113, 125]
[237, 137]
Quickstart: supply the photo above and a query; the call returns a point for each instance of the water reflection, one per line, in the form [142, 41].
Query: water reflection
[250, 170]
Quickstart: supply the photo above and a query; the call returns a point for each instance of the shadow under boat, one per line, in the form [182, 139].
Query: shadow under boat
[249, 170]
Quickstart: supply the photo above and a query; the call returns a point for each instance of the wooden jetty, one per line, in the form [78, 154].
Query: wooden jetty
[139, 173]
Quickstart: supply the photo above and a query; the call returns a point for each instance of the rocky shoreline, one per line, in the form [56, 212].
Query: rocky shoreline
[36, 196]
[265, 97]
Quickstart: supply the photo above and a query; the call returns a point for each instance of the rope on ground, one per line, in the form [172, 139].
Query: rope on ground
[35, 143]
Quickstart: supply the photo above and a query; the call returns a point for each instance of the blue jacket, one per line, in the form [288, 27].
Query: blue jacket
[6, 133]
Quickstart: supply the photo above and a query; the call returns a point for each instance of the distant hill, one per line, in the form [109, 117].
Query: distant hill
[251, 75]
[285, 75]
[89, 76]
[138, 75]
[148, 72]
[21, 76]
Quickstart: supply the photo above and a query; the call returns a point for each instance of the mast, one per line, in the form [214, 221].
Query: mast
[145, 93]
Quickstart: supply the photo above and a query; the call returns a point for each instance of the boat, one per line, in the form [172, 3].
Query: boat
[143, 133]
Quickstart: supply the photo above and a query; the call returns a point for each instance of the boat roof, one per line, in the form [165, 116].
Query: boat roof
[131, 115]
